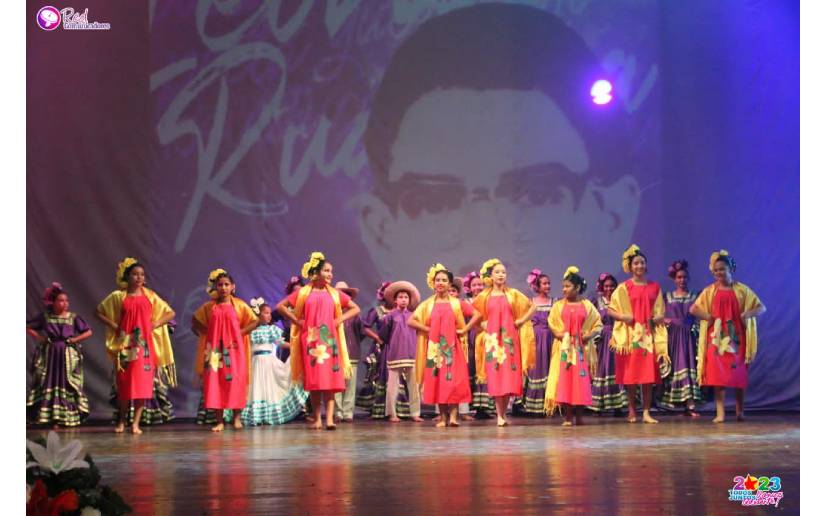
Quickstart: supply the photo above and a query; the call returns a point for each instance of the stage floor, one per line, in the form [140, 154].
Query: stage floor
[369, 467]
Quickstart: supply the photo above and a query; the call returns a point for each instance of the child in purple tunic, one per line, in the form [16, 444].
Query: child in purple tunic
[681, 387]
[401, 347]
[57, 397]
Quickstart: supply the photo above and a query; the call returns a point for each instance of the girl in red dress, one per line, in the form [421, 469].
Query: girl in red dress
[318, 346]
[574, 322]
[137, 339]
[441, 360]
[727, 333]
[506, 347]
[639, 336]
[223, 326]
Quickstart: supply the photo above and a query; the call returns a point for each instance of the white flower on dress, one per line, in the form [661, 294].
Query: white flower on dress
[320, 353]
[54, 457]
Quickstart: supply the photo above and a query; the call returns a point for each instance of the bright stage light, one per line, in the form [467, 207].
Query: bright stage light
[601, 91]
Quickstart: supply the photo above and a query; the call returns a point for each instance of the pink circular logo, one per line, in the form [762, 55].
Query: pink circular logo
[48, 18]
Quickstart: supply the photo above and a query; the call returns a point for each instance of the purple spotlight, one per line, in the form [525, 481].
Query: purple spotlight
[601, 91]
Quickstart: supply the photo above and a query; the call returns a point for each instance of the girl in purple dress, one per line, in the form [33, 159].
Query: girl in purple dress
[681, 387]
[57, 397]
[536, 381]
[607, 394]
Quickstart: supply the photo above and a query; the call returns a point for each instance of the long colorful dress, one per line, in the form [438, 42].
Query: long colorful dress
[683, 383]
[273, 399]
[573, 358]
[483, 403]
[638, 347]
[141, 355]
[502, 351]
[345, 402]
[319, 357]
[606, 393]
[536, 382]
[727, 346]
[157, 410]
[441, 362]
[56, 396]
[226, 360]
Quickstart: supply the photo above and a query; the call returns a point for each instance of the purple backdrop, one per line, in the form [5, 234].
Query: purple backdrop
[390, 135]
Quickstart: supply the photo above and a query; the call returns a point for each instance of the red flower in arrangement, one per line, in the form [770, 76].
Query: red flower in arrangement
[40, 504]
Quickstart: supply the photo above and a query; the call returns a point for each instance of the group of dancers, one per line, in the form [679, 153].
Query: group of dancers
[493, 351]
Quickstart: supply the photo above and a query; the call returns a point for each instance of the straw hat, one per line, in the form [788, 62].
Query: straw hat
[346, 289]
[395, 286]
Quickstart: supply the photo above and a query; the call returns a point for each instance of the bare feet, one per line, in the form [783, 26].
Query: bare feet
[647, 419]
[567, 423]
[331, 426]
[316, 425]
[218, 428]
[454, 423]
[136, 430]
[120, 428]
[237, 424]
[719, 419]
[502, 422]
[394, 419]
[467, 417]
[441, 424]
[631, 418]
[417, 419]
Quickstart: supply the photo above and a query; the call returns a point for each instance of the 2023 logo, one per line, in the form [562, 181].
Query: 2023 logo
[751, 490]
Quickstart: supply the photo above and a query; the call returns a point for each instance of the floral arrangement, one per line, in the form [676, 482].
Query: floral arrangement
[58, 481]
[533, 279]
[628, 256]
[121, 271]
[210, 283]
[468, 280]
[678, 265]
[714, 257]
[314, 259]
[51, 293]
[256, 304]
[434, 269]
[487, 271]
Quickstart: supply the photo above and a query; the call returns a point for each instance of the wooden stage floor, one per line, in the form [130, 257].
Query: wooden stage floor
[679, 466]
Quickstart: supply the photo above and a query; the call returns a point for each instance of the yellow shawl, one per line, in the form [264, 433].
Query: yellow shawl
[747, 302]
[592, 322]
[422, 314]
[111, 307]
[245, 317]
[296, 354]
[624, 335]
[520, 304]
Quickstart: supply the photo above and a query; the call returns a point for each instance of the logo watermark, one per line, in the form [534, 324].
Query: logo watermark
[49, 18]
[750, 490]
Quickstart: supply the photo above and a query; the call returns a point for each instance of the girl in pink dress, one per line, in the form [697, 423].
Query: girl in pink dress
[441, 360]
[137, 339]
[639, 336]
[727, 333]
[320, 360]
[574, 323]
[223, 326]
[506, 347]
